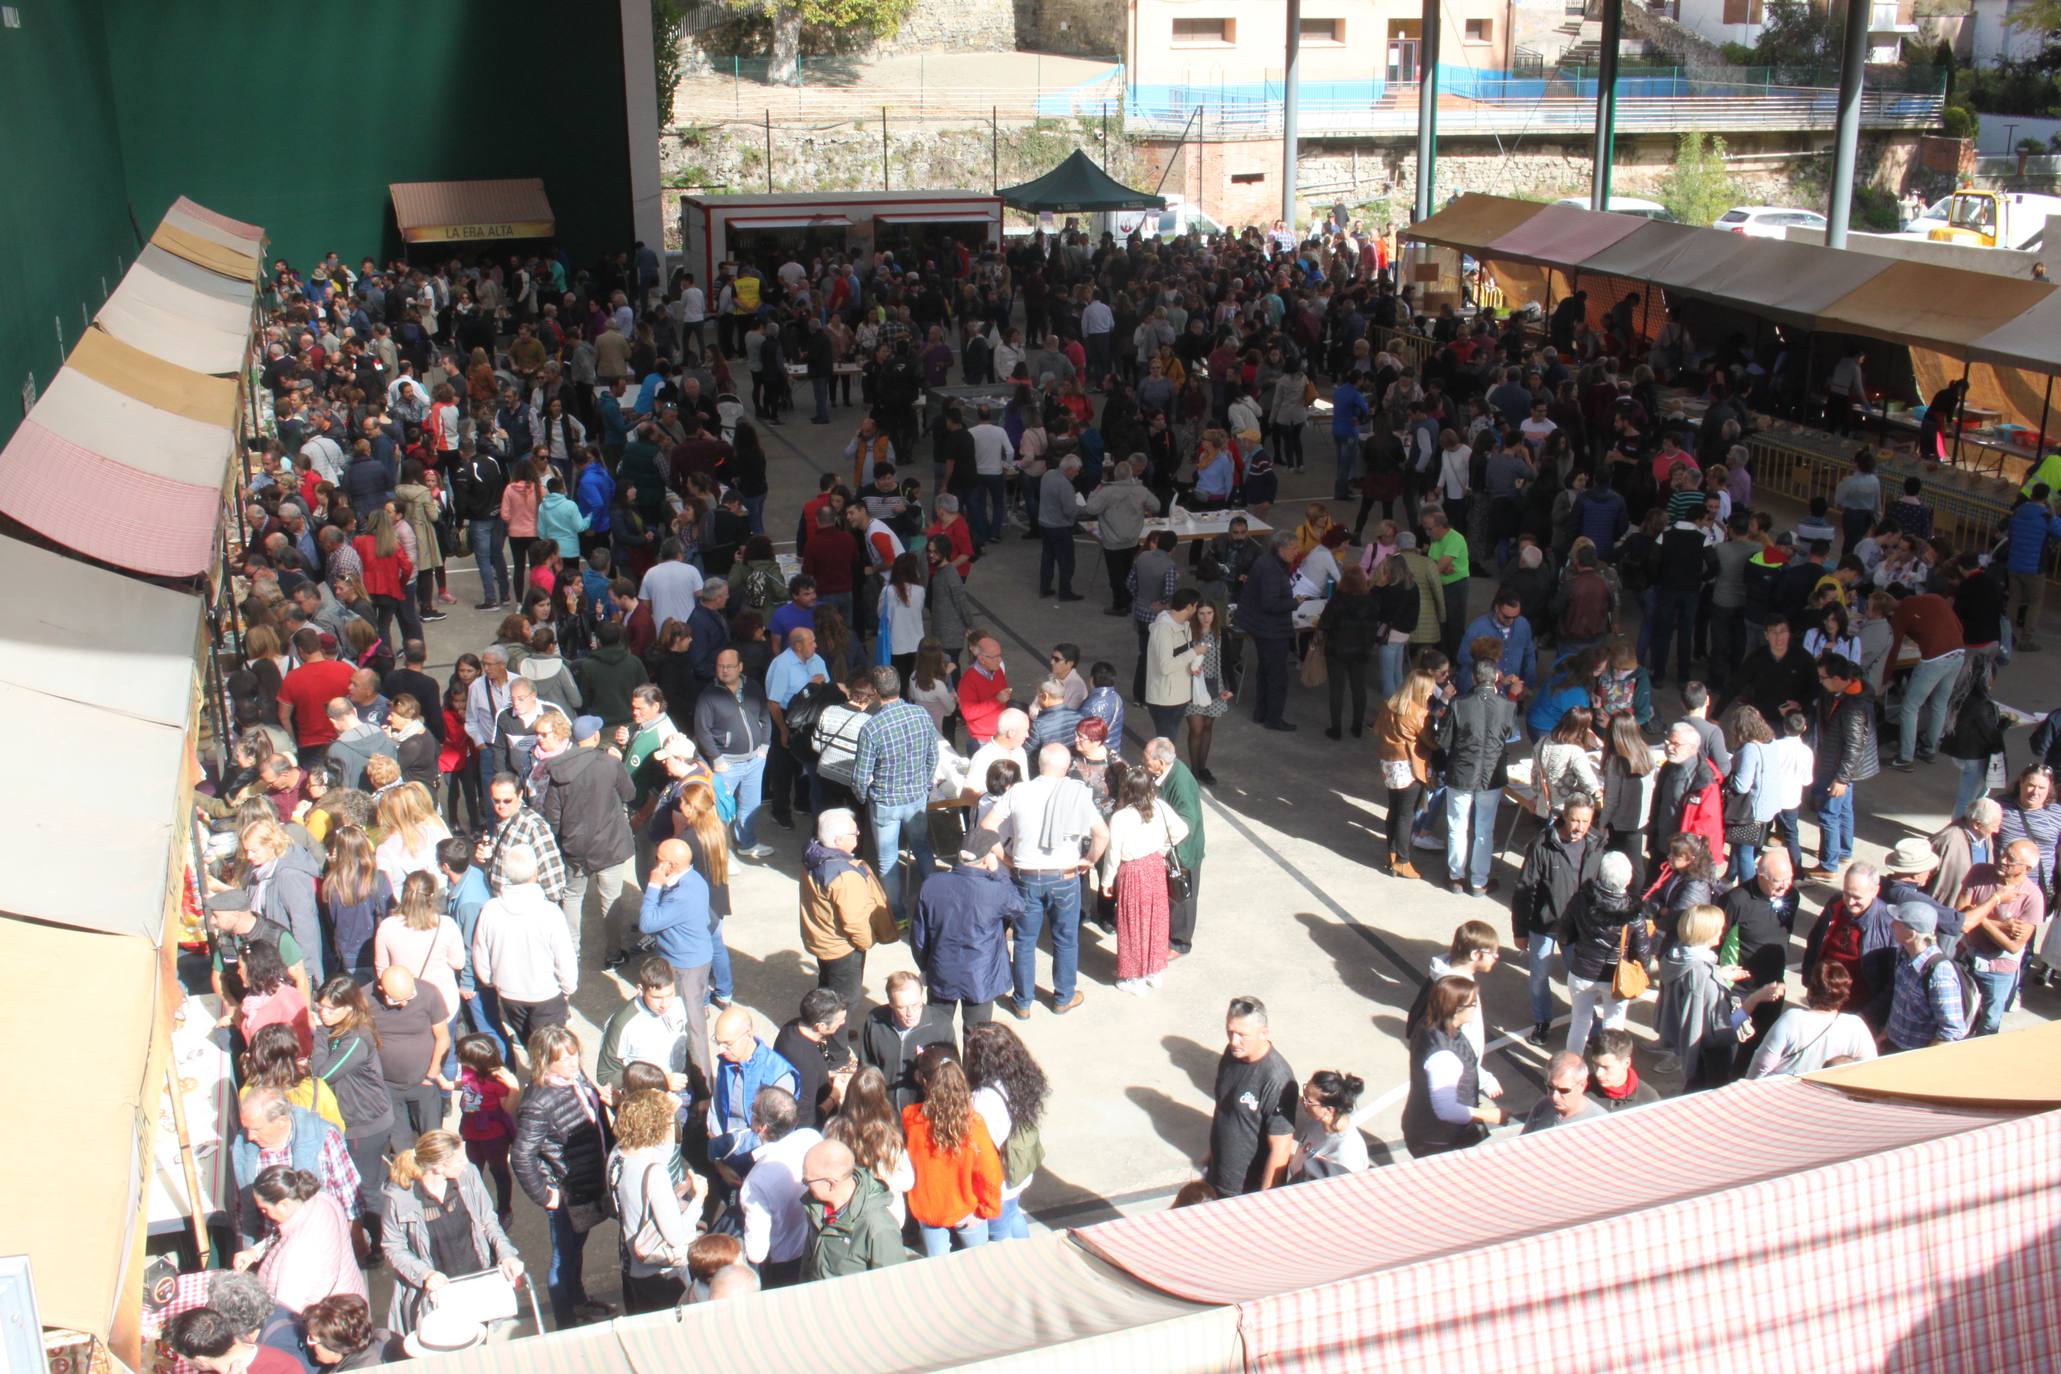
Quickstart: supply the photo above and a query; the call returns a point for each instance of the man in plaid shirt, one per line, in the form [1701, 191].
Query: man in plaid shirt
[892, 774]
[1927, 1008]
[514, 824]
[273, 1131]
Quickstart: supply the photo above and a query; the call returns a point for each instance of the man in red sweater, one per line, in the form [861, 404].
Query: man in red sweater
[1929, 620]
[828, 558]
[305, 694]
[983, 690]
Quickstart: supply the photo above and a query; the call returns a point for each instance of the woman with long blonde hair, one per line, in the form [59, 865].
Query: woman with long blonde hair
[420, 938]
[408, 815]
[1402, 751]
[426, 1185]
[697, 823]
[958, 1188]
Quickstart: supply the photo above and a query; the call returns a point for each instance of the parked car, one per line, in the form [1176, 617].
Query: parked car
[1767, 221]
[1624, 205]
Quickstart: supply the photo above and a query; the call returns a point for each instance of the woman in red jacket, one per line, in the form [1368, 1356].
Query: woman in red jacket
[389, 575]
[958, 1187]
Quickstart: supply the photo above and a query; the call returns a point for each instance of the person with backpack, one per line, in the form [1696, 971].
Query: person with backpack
[1935, 997]
[1009, 1095]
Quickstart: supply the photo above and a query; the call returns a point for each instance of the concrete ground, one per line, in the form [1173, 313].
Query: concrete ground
[1293, 910]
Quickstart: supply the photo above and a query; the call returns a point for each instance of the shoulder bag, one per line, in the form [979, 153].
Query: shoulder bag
[1180, 883]
[1628, 983]
[646, 1244]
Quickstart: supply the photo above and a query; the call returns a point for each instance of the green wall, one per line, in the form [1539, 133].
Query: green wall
[296, 116]
[65, 235]
[286, 115]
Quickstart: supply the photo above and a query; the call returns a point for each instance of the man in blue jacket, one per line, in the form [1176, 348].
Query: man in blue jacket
[1266, 613]
[2029, 529]
[744, 1064]
[960, 934]
[676, 913]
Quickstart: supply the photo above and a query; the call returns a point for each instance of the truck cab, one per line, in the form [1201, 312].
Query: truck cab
[1987, 219]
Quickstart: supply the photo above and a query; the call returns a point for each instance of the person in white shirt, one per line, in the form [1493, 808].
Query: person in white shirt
[1452, 473]
[1012, 728]
[776, 1230]
[1537, 427]
[1329, 1144]
[671, 587]
[1790, 763]
[1142, 832]
[693, 315]
[1804, 1039]
[1054, 834]
[522, 949]
[323, 453]
[992, 455]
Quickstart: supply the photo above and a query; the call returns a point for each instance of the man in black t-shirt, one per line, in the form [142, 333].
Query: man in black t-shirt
[414, 1036]
[814, 1043]
[1252, 1132]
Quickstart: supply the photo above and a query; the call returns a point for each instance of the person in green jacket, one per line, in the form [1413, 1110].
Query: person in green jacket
[1178, 789]
[851, 1227]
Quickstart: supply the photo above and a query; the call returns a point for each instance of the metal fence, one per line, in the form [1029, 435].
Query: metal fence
[924, 87]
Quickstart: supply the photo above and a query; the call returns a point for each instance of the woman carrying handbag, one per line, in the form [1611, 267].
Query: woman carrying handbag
[1607, 945]
[1136, 866]
[656, 1231]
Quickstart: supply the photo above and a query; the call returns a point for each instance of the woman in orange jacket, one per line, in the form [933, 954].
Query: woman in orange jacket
[958, 1172]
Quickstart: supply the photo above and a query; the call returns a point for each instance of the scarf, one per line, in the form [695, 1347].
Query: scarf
[1625, 1089]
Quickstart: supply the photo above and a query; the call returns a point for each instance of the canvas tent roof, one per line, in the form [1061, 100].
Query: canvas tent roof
[1078, 184]
[73, 1167]
[190, 395]
[1561, 233]
[193, 216]
[2021, 1069]
[1472, 222]
[174, 321]
[237, 261]
[444, 211]
[1926, 305]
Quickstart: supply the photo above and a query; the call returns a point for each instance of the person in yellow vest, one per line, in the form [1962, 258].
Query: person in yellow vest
[2047, 474]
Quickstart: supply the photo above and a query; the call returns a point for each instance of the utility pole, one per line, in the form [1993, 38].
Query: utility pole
[1427, 108]
[1291, 112]
[1606, 104]
[1853, 61]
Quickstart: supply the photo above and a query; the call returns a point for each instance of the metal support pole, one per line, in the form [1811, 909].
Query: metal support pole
[769, 151]
[1291, 112]
[1606, 106]
[994, 148]
[1427, 109]
[2039, 441]
[1960, 407]
[1846, 137]
[1105, 135]
[883, 147]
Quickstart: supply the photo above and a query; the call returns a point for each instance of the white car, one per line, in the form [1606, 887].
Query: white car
[1767, 221]
[1623, 205]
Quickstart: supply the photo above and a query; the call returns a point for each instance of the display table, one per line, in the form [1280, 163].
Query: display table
[200, 1062]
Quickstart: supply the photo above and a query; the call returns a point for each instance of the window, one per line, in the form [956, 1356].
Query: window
[1247, 178]
[1323, 31]
[1205, 33]
[1480, 30]
[1743, 12]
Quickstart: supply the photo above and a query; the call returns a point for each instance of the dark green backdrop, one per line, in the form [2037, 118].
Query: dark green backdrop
[292, 116]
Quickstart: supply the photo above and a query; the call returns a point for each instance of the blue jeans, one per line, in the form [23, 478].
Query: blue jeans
[821, 387]
[1996, 994]
[1390, 663]
[1348, 467]
[755, 507]
[990, 505]
[1792, 829]
[1544, 949]
[1743, 865]
[566, 1282]
[1012, 1224]
[1470, 848]
[491, 558]
[1974, 782]
[1930, 688]
[1056, 555]
[1055, 898]
[893, 827]
[746, 783]
[1835, 818]
[942, 1240]
[719, 980]
[483, 1012]
[1675, 613]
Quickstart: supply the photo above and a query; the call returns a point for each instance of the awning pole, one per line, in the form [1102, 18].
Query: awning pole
[769, 151]
[194, 1206]
[1291, 112]
[1606, 105]
[2039, 441]
[1853, 64]
[1427, 108]
[1960, 411]
[883, 147]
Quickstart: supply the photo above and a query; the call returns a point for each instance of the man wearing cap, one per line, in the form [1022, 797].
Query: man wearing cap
[586, 805]
[1907, 876]
[960, 934]
[1926, 1007]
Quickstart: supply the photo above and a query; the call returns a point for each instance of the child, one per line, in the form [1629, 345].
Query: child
[487, 1096]
[708, 1256]
[455, 762]
[546, 571]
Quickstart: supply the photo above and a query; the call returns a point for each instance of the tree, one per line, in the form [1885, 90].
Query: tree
[1698, 188]
[846, 18]
[1797, 34]
[668, 26]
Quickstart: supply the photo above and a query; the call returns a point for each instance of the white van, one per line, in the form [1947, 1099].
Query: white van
[1179, 218]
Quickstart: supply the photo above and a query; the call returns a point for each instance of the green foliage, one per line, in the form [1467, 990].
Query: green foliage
[1698, 188]
[1874, 209]
[1739, 54]
[829, 25]
[1958, 121]
[1797, 34]
[2013, 88]
[668, 23]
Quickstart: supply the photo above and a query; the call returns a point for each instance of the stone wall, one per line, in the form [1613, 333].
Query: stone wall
[954, 26]
[1081, 28]
[1688, 47]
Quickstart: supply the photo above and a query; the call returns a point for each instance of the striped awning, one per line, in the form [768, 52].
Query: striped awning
[466, 211]
[101, 357]
[162, 317]
[237, 261]
[193, 216]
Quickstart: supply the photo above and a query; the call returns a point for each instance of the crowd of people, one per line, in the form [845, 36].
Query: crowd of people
[410, 878]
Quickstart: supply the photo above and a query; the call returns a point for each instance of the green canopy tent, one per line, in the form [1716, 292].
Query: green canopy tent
[1078, 184]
